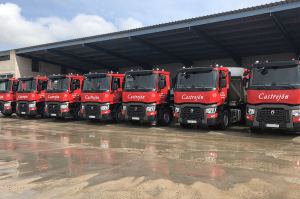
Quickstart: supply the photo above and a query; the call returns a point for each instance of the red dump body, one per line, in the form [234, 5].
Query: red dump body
[8, 88]
[209, 96]
[102, 96]
[30, 96]
[63, 96]
[146, 96]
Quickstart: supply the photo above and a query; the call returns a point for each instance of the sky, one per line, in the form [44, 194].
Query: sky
[32, 22]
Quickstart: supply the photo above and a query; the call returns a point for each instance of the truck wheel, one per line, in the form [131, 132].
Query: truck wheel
[165, 118]
[224, 121]
[7, 114]
[118, 117]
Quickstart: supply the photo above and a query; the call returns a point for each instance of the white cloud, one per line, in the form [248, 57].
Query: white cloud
[17, 31]
[129, 23]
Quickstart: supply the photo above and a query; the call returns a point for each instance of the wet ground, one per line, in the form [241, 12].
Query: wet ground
[45, 158]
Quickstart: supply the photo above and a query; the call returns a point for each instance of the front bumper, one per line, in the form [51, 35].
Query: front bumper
[289, 124]
[6, 110]
[92, 111]
[53, 109]
[23, 109]
[195, 114]
[137, 112]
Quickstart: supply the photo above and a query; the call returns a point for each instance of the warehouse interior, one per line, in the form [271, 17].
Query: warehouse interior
[235, 38]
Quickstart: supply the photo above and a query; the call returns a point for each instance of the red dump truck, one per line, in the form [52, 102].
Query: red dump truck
[8, 88]
[274, 96]
[63, 96]
[209, 96]
[102, 96]
[146, 97]
[31, 96]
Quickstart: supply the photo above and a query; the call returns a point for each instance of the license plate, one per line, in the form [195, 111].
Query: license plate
[23, 113]
[272, 125]
[135, 118]
[53, 115]
[192, 122]
[92, 117]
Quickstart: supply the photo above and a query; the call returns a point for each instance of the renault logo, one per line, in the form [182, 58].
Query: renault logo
[272, 112]
[192, 110]
[92, 108]
[135, 108]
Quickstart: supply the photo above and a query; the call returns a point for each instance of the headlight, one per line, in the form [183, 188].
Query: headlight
[32, 105]
[150, 108]
[251, 111]
[211, 110]
[124, 108]
[64, 106]
[295, 113]
[177, 109]
[104, 107]
[7, 104]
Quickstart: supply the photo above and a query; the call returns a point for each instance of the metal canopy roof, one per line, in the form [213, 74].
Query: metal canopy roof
[266, 29]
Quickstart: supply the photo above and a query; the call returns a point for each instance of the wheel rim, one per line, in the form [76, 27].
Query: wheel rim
[166, 118]
[225, 118]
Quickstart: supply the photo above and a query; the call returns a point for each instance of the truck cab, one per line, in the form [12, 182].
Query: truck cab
[30, 96]
[102, 96]
[63, 95]
[8, 88]
[209, 96]
[274, 96]
[146, 97]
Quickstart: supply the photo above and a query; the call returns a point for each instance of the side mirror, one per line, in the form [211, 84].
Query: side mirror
[246, 73]
[114, 86]
[223, 83]
[161, 83]
[15, 86]
[73, 86]
[40, 86]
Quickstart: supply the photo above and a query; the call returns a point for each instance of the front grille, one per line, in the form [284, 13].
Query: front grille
[53, 108]
[92, 110]
[136, 111]
[1, 107]
[23, 107]
[192, 113]
[273, 116]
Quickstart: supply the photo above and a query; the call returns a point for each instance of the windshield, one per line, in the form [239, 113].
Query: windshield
[140, 82]
[58, 85]
[5, 86]
[27, 85]
[275, 77]
[196, 80]
[95, 84]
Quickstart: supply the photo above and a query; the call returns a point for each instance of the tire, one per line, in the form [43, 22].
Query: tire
[224, 121]
[6, 114]
[118, 117]
[185, 126]
[165, 118]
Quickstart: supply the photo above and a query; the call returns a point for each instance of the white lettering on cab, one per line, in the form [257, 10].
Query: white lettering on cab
[192, 97]
[277, 97]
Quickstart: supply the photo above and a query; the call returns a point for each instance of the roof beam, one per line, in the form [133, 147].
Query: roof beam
[162, 50]
[78, 58]
[219, 45]
[54, 63]
[285, 33]
[115, 54]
